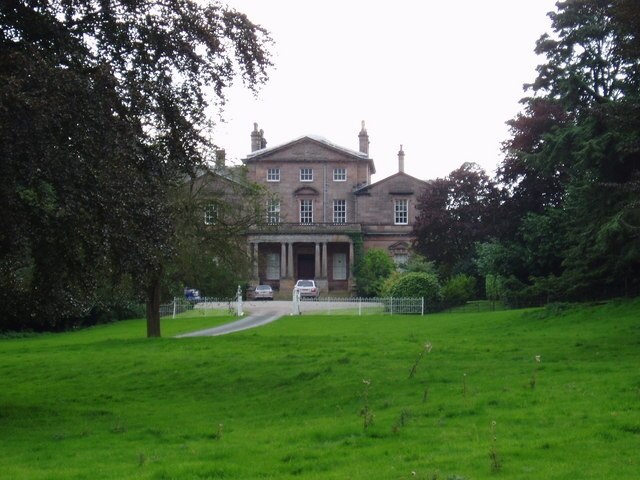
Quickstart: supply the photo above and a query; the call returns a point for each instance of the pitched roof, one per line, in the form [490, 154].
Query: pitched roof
[315, 138]
[366, 188]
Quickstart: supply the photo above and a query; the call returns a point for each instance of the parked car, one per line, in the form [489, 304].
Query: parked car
[263, 292]
[307, 288]
[192, 294]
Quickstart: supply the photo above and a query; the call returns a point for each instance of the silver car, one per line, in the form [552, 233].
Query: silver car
[263, 292]
[307, 288]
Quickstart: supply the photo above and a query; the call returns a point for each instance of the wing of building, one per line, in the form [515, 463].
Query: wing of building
[323, 206]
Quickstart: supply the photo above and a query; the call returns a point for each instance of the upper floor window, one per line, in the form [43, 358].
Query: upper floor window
[273, 175]
[401, 212]
[210, 213]
[306, 211]
[273, 211]
[339, 174]
[306, 175]
[339, 211]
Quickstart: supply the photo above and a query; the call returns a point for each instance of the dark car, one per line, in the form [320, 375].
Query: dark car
[262, 292]
[307, 288]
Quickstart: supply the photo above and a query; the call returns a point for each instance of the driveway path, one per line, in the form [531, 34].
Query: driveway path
[261, 314]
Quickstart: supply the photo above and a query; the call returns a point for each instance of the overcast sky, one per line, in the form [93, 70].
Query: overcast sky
[439, 77]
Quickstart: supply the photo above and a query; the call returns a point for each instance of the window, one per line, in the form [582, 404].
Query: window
[273, 175]
[306, 175]
[273, 266]
[306, 211]
[339, 174]
[400, 259]
[210, 213]
[273, 211]
[339, 211]
[401, 212]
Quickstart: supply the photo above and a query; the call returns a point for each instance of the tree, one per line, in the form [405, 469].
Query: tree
[371, 272]
[573, 159]
[102, 114]
[454, 214]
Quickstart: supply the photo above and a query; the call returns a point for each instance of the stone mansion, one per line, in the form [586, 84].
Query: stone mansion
[323, 207]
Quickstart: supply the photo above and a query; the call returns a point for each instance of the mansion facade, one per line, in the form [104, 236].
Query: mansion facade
[323, 208]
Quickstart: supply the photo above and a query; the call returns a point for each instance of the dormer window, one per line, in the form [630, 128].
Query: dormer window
[306, 175]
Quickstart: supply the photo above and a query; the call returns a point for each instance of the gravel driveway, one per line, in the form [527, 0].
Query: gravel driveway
[259, 313]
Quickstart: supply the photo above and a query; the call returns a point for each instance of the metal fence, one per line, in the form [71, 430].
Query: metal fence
[180, 307]
[203, 307]
[359, 306]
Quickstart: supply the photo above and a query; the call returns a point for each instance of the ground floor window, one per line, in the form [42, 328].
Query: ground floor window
[273, 266]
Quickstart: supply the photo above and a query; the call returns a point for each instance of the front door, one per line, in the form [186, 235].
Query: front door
[306, 266]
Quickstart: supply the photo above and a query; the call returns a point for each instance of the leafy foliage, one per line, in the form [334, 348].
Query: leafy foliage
[567, 222]
[102, 113]
[376, 266]
[459, 290]
[416, 285]
[454, 214]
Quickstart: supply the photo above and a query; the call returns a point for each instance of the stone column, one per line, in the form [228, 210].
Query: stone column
[317, 271]
[256, 272]
[290, 261]
[351, 259]
[283, 260]
[324, 260]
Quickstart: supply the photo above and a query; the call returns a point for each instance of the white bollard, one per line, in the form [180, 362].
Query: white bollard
[239, 311]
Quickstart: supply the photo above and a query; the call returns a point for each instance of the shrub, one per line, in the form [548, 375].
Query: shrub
[416, 285]
[458, 290]
[371, 273]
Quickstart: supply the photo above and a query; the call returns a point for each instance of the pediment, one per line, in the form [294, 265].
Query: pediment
[399, 247]
[308, 148]
[306, 191]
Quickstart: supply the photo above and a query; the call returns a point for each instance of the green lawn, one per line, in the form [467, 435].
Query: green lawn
[284, 401]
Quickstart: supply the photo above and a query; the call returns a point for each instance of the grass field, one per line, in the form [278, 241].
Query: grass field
[290, 400]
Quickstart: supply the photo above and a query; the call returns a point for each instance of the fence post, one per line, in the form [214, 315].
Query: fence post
[422, 307]
[359, 306]
[391, 305]
[174, 307]
[239, 302]
[296, 302]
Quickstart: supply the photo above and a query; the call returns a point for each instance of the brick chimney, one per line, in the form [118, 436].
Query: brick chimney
[220, 158]
[364, 139]
[258, 141]
[401, 160]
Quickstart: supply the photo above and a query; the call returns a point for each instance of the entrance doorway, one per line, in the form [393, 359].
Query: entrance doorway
[306, 266]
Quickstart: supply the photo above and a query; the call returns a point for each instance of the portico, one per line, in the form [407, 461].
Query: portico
[281, 259]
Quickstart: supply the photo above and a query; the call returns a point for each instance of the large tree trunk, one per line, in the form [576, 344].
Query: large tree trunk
[153, 305]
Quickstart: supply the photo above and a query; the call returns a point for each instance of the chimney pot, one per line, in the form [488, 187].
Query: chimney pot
[363, 136]
[401, 160]
[256, 138]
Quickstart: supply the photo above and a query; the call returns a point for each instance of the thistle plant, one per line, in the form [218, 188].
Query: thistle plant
[496, 465]
[426, 349]
[366, 413]
[219, 432]
[534, 374]
[464, 385]
[402, 420]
